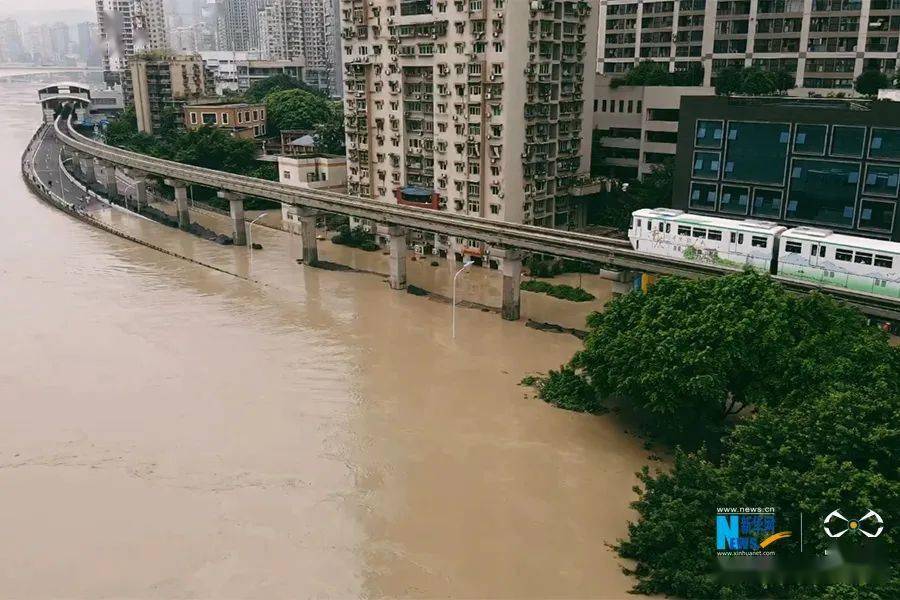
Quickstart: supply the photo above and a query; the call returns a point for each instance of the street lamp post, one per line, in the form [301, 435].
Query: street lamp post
[250, 231]
[465, 266]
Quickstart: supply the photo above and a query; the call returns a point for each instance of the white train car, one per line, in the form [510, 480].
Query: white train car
[728, 242]
[856, 263]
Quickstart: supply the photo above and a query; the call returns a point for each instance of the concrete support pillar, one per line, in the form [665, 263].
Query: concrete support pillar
[238, 227]
[309, 248]
[87, 169]
[181, 203]
[109, 180]
[511, 303]
[140, 194]
[397, 259]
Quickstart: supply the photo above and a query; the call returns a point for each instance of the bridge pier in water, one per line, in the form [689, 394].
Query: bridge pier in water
[309, 250]
[86, 163]
[181, 203]
[236, 209]
[108, 179]
[511, 300]
[397, 260]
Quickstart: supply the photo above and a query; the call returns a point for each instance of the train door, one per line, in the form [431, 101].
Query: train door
[732, 242]
[814, 255]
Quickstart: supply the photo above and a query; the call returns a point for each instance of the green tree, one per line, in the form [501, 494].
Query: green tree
[835, 449]
[276, 83]
[647, 72]
[330, 134]
[756, 82]
[215, 149]
[699, 348]
[297, 109]
[728, 81]
[784, 80]
[869, 82]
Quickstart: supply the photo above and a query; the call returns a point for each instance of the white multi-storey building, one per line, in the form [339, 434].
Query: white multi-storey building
[475, 107]
[238, 24]
[822, 43]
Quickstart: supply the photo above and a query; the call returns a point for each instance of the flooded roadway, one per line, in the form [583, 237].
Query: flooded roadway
[172, 431]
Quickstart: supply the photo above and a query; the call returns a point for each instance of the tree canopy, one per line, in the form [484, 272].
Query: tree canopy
[614, 208]
[869, 82]
[298, 109]
[710, 348]
[649, 72]
[263, 87]
[752, 81]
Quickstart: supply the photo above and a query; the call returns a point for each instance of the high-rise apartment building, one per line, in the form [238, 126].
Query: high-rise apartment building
[160, 86]
[127, 27]
[238, 24]
[476, 107]
[11, 47]
[291, 29]
[823, 43]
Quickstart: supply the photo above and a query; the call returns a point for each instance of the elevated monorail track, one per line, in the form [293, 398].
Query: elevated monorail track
[566, 244]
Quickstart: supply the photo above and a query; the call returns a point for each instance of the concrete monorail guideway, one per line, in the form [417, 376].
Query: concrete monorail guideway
[511, 238]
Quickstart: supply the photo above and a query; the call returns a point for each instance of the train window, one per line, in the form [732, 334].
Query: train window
[733, 235]
[638, 223]
[793, 247]
[759, 241]
[668, 227]
[844, 255]
[714, 234]
[822, 251]
[814, 249]
[863, 258]
[699, 232]
[740, 238]
[884, 261]
[682, 230]
[660, 225]
[649, 225]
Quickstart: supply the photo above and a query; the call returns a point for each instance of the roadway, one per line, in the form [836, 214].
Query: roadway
[578, 246]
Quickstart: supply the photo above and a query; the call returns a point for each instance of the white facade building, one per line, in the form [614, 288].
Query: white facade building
[291, 29]
[474, 107]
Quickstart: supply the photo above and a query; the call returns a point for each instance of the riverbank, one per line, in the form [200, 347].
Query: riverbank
[306, 433]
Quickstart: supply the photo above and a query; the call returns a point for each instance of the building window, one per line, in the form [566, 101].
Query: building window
[709, 134]
[703, 195]
[877, 215]
[885, 143]
[882, 180]
[756, 152]
[810, 139]
[286, 174]
[208, 118]
[706, 165]
[193, 118]
[823, 192]
[256, 115]
[240, 117]
[224, 118]
[848, 141]
[734, 199]
[766, 203]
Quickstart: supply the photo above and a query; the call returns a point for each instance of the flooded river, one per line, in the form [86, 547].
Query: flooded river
[172, 431]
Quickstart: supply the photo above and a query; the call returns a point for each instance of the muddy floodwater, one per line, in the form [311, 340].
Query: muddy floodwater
[172, 431]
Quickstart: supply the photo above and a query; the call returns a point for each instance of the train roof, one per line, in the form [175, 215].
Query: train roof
[679, 216]
[827, 236]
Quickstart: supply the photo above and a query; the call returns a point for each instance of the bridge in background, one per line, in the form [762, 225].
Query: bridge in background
[510, 240]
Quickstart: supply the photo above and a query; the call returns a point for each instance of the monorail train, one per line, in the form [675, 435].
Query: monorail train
[803, 253]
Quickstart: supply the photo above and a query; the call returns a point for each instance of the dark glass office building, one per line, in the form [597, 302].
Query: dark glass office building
[829, 163]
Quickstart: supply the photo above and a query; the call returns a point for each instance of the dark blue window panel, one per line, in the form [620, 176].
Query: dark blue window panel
[766, 203]
[811, 139]
[709, 134]
[707, 165]
[703, 195]
[734, 199]
[877, 215]
[847, 140]
[882, 180]
[823, 191]
[885, 144]
[756, 152]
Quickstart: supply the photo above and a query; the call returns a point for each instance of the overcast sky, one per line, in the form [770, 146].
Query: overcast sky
[13, 6]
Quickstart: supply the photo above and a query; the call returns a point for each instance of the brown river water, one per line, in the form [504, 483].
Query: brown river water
[171, 431]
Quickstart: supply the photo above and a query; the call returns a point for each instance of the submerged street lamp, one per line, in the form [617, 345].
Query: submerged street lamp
[250, 231]
[465, 266]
